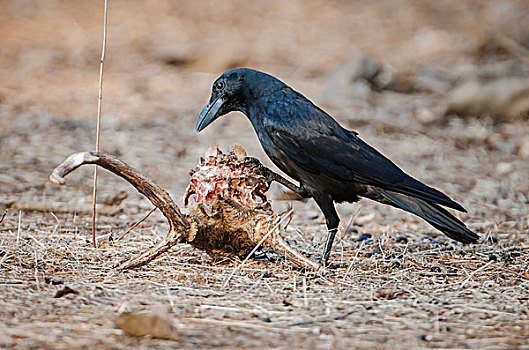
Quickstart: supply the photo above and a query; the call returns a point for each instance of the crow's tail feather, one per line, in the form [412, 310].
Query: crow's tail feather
[435, 215]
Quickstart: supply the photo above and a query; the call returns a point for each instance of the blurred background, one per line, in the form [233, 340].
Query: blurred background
[163, 55]
[441, 88]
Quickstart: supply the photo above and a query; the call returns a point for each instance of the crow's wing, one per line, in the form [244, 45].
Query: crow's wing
[318, 144]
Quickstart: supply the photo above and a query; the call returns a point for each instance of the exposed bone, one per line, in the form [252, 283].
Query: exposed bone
[218, 226]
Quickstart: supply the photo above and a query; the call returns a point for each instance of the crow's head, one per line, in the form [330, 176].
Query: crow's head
[233, 91]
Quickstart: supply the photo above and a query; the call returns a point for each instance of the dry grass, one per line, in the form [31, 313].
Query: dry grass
[420, 293]
[426, 293]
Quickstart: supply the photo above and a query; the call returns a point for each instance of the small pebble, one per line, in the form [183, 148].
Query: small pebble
[493, 257]
[470, 332]
[363, 237]
[427, 337]
[504, 168]
[523, 150]
[287, 302]
[352, 230]
[401, 239]
[55, 281]
[312, 216]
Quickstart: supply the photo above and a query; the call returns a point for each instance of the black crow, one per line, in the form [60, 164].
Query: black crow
[331, 164]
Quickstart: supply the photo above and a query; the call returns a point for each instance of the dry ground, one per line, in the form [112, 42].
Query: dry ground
[387, 293]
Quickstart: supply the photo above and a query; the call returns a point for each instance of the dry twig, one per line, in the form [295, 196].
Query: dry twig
[98, 123]
[137, 223]
[3, 216]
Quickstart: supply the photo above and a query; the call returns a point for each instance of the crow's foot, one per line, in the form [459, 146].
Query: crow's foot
[270, 176]
[256, 165]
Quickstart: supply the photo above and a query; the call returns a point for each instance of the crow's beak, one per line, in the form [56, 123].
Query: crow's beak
[208, 114]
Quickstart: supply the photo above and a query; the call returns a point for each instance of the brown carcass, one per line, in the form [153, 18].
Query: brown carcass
[229, 213]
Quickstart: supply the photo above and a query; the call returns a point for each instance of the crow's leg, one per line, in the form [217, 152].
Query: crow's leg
[270, 175]
[332, 220]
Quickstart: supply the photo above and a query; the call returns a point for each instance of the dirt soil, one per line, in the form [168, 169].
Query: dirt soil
[405, 285]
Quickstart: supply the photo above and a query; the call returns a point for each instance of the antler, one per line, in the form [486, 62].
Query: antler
[179, 226]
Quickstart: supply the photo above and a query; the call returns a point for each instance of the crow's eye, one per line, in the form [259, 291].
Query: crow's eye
[219, 85]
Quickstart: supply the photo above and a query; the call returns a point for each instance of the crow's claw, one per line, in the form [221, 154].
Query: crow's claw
[252, 162]
[256, 165]
[269, 176]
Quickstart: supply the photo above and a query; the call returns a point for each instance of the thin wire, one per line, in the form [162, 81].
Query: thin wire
[98, 124]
